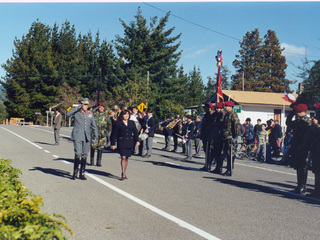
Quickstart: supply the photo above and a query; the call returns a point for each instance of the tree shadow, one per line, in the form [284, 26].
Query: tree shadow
[269, 190]
[56, 172]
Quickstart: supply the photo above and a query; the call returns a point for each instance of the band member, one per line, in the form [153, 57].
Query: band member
[300, 126]
[207, 135]
[231, 130]
[84, 122]
[189, 136]
[176, 130]
[197, 139]
[104, 126]
[126, 134]
[167, 132]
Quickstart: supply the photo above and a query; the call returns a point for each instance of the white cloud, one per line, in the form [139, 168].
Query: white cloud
[291, 50]
[200, 52]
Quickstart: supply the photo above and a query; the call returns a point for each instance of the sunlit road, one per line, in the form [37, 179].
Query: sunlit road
[165, 197]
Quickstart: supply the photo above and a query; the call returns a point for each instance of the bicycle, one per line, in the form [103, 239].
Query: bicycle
[242, 150]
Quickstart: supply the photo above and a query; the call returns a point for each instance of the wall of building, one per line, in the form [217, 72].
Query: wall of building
[264, 113]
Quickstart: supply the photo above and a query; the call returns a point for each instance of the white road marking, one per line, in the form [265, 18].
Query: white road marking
[66, 162]
[23, 138]
[46, 151]
[166, 215]
[55, 156]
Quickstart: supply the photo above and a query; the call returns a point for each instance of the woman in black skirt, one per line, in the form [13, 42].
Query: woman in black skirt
[126, 134]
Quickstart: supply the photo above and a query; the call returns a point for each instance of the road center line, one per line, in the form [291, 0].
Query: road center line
[23, 138]
[168, 216]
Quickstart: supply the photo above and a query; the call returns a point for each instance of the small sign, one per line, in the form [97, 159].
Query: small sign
[237, 108]
[37, 113]
[141, 107]
[52, 112]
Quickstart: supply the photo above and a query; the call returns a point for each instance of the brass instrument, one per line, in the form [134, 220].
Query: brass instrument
[171, 125]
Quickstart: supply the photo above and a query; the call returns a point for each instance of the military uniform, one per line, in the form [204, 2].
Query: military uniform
[104, 126]
[207, 137]
[84, 122]
[216, 142]
[300, 126]
[230, 131]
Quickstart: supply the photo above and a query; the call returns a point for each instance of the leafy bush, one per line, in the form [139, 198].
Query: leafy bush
[20, 216]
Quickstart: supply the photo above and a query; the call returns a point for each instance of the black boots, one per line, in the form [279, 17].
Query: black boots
[83, 168]
[75, 167]
[99, 156]
[92, 156]
[302, 175]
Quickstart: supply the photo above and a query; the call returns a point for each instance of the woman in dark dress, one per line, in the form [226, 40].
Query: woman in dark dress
[126, 134]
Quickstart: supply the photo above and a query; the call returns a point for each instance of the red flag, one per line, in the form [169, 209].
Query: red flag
[289, 97]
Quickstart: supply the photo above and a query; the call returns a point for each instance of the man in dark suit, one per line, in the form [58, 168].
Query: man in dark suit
[56, 125]
[84, 122]
[150, 126]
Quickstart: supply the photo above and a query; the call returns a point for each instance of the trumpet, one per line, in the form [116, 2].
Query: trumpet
[171, 125]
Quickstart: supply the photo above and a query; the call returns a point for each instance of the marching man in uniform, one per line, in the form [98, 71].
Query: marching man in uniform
[84, 122]
[104, 126]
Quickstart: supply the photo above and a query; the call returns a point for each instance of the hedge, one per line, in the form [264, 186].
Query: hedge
[20, 216]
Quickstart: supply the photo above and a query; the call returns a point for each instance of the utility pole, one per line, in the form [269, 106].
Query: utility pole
[242, 81]
[147, 88]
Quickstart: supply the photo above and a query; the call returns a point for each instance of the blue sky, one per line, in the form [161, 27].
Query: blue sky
[295, 23]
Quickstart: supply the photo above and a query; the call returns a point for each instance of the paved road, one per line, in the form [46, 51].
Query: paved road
[165, 197]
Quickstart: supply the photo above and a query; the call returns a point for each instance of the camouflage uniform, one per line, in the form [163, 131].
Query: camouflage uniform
[216, 144]
[104, 125]
[301, 127]
[230, 130]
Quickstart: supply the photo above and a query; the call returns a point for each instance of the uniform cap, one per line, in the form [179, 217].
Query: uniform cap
[84, 101]
[101, 104]
[208, 104]
[229, 103]
[219, 105]
[300, 107]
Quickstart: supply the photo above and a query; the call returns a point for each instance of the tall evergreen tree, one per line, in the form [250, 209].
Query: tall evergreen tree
[149, 47]
[30, 81]
[312, 83]
[272, 76]
[195, 87]
[248, 61]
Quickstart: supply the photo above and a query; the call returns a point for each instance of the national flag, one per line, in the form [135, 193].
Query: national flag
[289, 97]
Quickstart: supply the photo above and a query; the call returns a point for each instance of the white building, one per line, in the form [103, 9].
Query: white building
[258, 105]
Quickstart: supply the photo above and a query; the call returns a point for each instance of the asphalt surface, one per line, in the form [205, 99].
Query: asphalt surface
[165, 196]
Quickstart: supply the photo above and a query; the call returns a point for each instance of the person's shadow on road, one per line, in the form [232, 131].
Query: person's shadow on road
[56, 172]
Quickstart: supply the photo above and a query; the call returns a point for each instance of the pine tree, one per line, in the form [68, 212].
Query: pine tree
[247, 62]
[150, 48]
[31, 82]
[272, 74]
[312, 83]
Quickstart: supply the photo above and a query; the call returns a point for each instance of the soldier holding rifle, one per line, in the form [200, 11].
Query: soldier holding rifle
[231, 130]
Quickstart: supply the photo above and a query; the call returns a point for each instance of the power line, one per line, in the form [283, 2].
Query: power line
[211, 30]
[196, 24]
